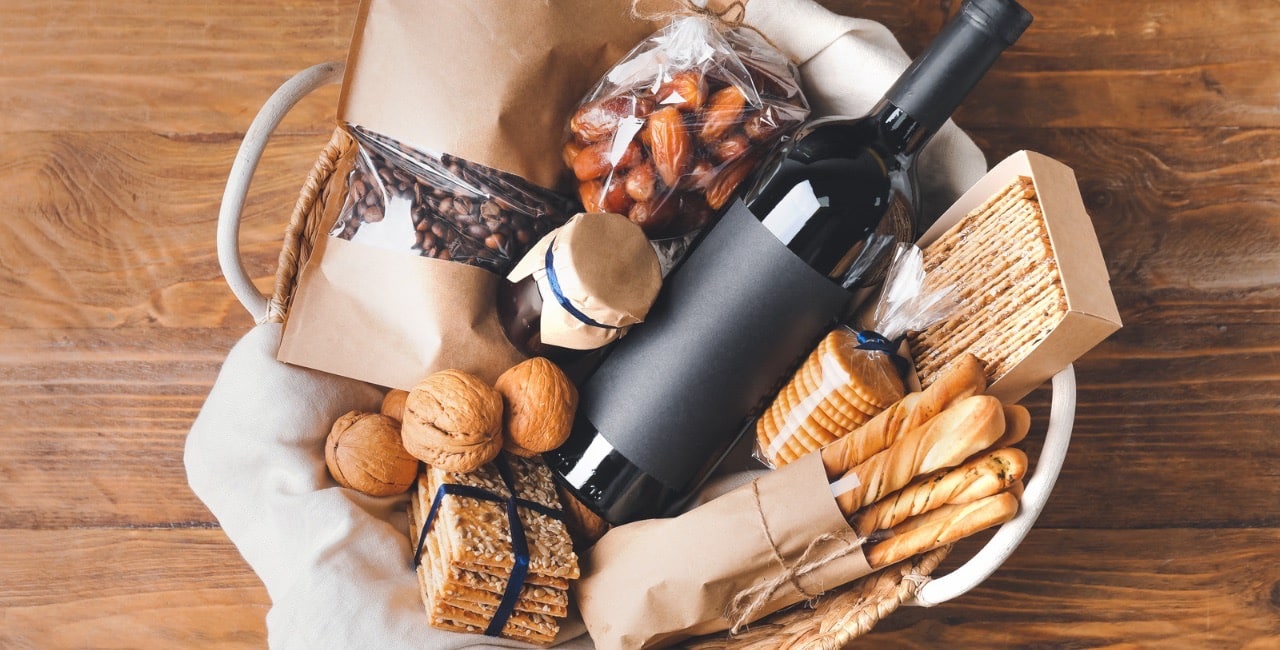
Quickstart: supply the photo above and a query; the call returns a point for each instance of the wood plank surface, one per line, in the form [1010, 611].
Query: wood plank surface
[120, 120]
[1182, 588]
[131, 588]
[123, 223]
[163, 67]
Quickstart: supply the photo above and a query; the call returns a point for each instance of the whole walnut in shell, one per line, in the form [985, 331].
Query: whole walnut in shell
[540, 403]
[453, 420]
[364, 453]
[393, 403]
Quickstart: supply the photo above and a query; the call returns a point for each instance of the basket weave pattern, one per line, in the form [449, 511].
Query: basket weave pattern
[833, 621]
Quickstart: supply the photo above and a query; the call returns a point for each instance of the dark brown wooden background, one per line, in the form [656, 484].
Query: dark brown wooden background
[118, 124]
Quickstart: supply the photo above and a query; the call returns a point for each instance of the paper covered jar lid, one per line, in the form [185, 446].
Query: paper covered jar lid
[597, 274]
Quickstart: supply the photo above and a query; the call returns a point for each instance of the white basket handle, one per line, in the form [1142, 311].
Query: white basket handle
[255, 140]
[1062, 413]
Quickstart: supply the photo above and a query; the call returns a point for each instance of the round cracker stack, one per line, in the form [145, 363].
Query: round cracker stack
[837, 389]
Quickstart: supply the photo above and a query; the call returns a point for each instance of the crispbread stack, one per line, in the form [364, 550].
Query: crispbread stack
[1000, 259]
[836, 390]
[467, 557]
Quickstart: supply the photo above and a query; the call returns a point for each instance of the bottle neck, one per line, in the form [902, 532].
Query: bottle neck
[898, 132]
[940, 78]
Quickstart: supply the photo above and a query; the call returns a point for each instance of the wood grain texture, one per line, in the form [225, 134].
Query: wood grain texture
[117, 227]
[1138, 64]
[1182, 588]
[114, 588]
[119, 122]
[93, 423]
[162, 67]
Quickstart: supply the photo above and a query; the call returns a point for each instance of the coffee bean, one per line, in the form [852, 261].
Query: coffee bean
[462, 204]
[460, 211]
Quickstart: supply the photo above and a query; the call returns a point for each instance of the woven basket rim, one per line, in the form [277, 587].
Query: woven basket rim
[838, 616]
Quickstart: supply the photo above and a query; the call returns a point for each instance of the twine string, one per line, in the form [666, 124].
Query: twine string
[732, 14]
[747, 604]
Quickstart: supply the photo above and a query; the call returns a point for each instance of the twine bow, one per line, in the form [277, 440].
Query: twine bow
[730, 13]
[746, 605]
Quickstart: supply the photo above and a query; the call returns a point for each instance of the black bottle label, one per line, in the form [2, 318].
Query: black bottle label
[730, 323]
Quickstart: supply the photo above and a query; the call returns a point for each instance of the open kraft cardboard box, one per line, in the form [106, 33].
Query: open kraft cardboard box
[1091, 309]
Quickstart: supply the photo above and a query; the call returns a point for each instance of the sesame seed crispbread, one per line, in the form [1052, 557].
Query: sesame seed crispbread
[483, 593]
[467, 557]
[443, 614]
[473, 584]
[1011, 296]
[520, 624]
[459, 620]
[475, 535]
[493, 581]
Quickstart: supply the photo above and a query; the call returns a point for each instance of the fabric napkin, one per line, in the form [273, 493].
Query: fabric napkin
[336, 564]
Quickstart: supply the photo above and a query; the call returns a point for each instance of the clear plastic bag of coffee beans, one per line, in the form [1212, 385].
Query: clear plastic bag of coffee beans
[670, 133]
[441, 206]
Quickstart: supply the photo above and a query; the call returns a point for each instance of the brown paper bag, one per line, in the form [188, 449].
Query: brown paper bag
[491, 83]
[659, 581]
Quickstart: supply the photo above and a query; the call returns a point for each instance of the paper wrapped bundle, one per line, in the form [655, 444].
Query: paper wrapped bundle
[493, 553]
[659, 581]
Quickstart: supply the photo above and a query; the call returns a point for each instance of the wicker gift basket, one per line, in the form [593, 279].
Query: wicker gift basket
[835, 618]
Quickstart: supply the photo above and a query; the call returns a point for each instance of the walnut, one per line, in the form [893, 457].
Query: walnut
[540, 403]
[393, 404]
[453, 420]
[364, 453]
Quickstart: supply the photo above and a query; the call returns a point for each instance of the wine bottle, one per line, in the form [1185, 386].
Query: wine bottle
[844, 181]
[774, 274]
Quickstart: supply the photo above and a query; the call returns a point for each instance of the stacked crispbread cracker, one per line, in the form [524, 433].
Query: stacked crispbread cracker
[1011, 296]
[467, 556]
[836, 390]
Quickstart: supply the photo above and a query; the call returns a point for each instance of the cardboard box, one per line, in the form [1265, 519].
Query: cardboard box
[1091, 309]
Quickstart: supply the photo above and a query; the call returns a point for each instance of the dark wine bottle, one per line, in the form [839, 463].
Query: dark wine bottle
[844, 181]
[672, 398]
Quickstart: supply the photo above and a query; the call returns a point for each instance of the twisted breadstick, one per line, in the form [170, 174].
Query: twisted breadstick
[1017, 422]
[942, 526]
[962, 430]
[981, 477]
[963, 379]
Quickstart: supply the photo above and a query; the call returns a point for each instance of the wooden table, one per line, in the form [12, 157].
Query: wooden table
[119, 121]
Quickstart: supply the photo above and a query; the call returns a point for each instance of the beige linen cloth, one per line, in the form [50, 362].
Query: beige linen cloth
[336, 564]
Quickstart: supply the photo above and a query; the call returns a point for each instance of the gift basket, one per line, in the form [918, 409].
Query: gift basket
[836, 615]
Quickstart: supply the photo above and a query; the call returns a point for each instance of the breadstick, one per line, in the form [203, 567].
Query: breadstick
[1017, 422]
[942, 526]
[962, 430]
[963, 379]
[981, 477]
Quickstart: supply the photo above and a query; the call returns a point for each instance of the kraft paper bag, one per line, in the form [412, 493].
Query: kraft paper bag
[659, 581]
[493, 83]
